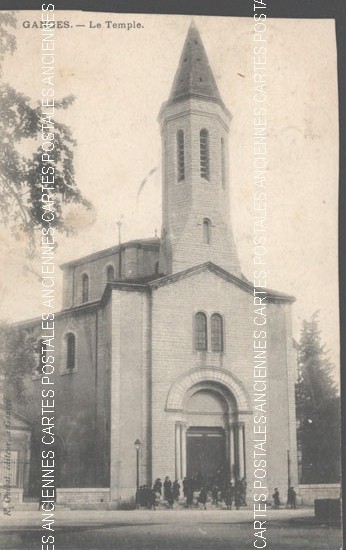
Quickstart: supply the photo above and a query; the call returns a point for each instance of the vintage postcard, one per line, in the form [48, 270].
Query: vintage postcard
[169, 281]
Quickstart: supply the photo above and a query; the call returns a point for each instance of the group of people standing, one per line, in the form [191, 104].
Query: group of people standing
[171, 491]
[291, 498]
[221, 489]
[195, 491]
[229, 493]
[151, 497]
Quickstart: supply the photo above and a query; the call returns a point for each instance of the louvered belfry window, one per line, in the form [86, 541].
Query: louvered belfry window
[180, 155]
[204, 154]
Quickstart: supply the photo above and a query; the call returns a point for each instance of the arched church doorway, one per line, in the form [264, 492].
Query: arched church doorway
[207, 418]
[209, 406]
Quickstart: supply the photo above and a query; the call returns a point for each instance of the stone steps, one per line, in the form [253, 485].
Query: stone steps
[32, 506]
[181, 504]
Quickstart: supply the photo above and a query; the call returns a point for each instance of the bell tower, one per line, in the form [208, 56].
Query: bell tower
[195, 200]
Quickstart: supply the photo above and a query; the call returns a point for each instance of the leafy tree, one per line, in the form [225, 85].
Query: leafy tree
[318, 409]
[20, 174]
[17, 361]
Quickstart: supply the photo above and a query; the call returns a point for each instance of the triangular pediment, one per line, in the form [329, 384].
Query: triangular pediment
[242, 283]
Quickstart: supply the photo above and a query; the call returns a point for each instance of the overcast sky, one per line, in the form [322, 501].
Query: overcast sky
[120, 79]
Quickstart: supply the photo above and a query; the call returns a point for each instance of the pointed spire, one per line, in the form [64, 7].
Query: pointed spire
[194, 77]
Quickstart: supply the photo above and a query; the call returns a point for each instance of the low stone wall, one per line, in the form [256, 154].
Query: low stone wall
[308, 493]
[84, 496]
[89, 498]
[93, 499]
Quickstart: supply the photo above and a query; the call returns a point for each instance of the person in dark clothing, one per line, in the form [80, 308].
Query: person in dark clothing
[148, 493]
[170, 498]
[288, 497]
[167, 488]
[203, 495]
[276, 498]
[237, 500]
[238, 494]
[238, 487]
[152, 500]
[157, 488]
[189, 495]
[138, 497]
[229, 496]
[215, 494]
[185, 486]
[243, 491]
[176, 490]
[291, 498]
[294, 498]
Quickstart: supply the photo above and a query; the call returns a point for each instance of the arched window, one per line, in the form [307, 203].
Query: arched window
[71, 351]
[223, 163]
[85, 288]
[201, 334]
[180, 155]
[216, 332]
[206, 231]
[110, 273]
[204, 153]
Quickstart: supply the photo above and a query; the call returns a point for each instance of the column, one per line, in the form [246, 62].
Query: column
[178, 450]
[241, 441]
[236, 454]
[244, 449]
[183, 450]
[231, 451]
[228, 449]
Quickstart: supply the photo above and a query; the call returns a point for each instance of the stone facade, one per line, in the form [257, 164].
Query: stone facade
[309, 493]
[142, 367]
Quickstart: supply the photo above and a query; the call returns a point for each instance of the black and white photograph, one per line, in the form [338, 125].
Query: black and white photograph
[169, 292]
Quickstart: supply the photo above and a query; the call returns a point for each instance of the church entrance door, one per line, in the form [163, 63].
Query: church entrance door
[206, 453]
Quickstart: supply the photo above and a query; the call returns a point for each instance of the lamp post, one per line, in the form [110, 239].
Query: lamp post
[137, 447]
[288, 479]
[288, 469]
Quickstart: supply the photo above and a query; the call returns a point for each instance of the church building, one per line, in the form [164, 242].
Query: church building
[155, 341]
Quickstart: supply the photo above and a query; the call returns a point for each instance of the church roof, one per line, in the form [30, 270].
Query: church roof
[194, 77]
[138, 243]
[146, 284]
